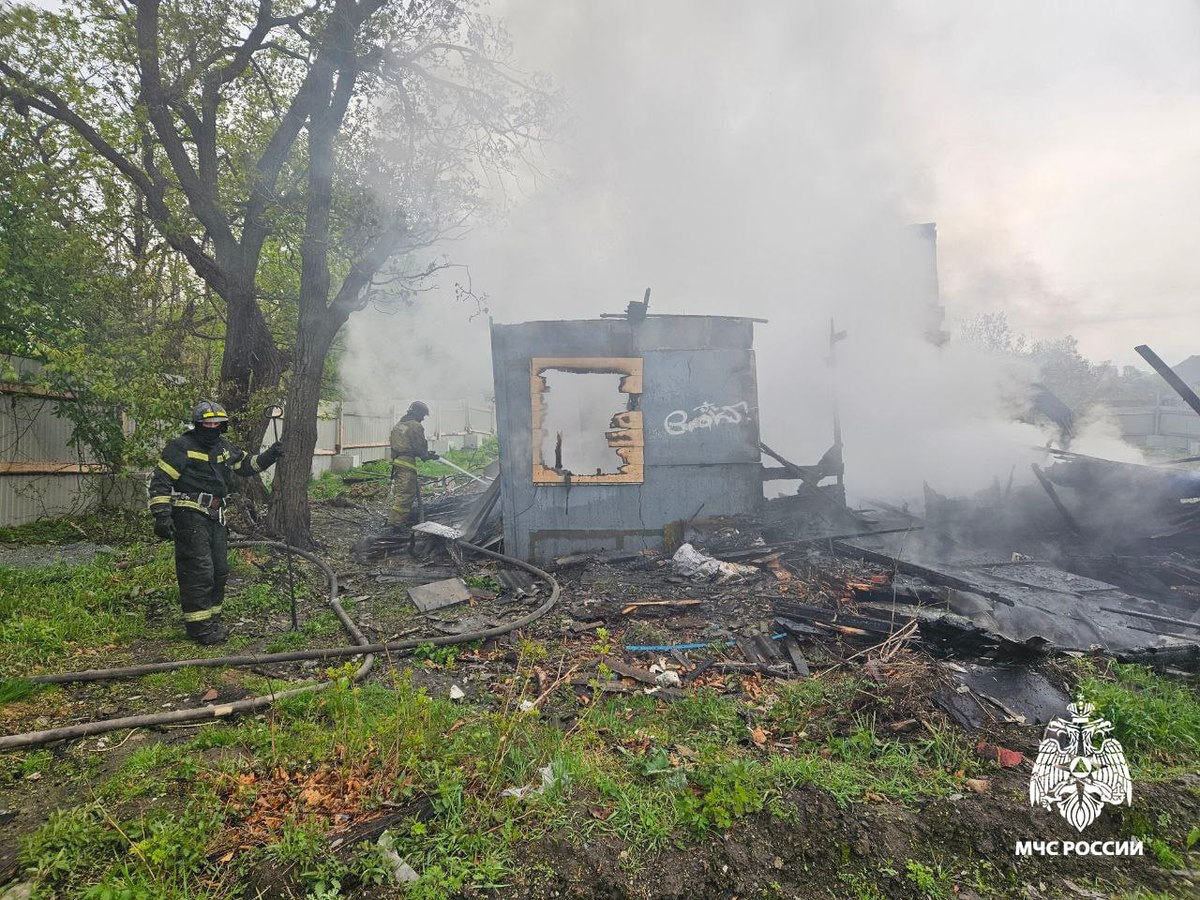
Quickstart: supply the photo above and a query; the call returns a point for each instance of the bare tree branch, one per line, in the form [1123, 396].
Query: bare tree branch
[20, 89]
[205, 205]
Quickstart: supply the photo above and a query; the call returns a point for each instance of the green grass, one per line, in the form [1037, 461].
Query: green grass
[181, 681]
[802, 704]
[377, 472]
[1157, 720]
[288, 640]
[46, 613]
[257, 598]
[653, 775]
[13, 690]
[471, 460]
[114, 526]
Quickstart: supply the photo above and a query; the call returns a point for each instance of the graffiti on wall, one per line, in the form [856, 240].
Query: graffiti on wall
[706, 416]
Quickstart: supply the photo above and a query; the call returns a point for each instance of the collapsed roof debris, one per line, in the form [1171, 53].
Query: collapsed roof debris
[1094, 557]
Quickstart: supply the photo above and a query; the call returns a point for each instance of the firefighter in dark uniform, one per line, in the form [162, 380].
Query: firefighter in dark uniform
[408, 445]
[187, 498]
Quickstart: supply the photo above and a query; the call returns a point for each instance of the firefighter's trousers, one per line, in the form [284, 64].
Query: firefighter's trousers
[201, 567]
[406, 497]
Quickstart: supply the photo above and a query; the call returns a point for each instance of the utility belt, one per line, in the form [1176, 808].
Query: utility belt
[209, 504]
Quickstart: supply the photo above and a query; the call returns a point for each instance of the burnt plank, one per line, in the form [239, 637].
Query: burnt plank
[798, 660]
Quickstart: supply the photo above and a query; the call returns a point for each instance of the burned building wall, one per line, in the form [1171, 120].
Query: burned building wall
[682, 430]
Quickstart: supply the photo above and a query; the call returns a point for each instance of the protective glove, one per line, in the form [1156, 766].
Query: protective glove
[164, 527]
[271, 455]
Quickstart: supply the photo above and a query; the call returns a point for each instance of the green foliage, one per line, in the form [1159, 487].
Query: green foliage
[1164, 853]
[472, 460]
[111, 526]
[800, 704]
[861, 886]
[603, 644]
[1156, 720]
[1058, 364]
[196, 213]
[62, 261]
[303, 849]
[444, 656]
[734, 789]
[71, 840]
[930, 881]
[484, 582]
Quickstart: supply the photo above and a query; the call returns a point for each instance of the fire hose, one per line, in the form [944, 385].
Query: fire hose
[360, 647]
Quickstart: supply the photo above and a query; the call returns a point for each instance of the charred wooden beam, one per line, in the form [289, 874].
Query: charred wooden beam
[1169, 376]
[1054, 498]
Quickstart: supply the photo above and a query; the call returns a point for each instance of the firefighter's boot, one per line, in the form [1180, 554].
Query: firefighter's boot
[208, 633]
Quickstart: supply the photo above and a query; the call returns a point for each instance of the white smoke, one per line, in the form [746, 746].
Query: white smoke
[767, 159]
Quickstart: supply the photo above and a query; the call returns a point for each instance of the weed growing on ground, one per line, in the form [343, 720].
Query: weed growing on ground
[484, 582]
[257, 598]
[444, 656]
[112, 526]
[800, 704]
[47, 612]
[287, 640]
[931, 881]
[861, 886]
[1156, 720]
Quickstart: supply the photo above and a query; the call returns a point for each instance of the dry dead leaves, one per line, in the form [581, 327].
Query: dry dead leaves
[340, 793]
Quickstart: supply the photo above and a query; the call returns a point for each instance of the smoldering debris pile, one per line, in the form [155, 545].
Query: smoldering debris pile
[1072, 564]
[967, 607]
[1090, 557]
[895, 581]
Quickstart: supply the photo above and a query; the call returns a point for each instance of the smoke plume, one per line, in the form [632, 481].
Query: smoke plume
[768, 159]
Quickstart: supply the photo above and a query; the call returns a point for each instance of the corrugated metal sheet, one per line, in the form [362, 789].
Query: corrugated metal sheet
[32, 432]
[1183, 422]
[700, 430]
[367, 423]
[27, 498]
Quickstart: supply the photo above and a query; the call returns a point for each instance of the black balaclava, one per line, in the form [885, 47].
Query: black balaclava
[208, 437]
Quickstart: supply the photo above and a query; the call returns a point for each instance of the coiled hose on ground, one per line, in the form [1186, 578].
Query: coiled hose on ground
[224, 710]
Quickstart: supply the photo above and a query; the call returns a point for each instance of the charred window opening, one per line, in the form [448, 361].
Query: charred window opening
[586, 420]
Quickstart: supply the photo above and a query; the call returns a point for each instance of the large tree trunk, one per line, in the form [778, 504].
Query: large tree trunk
[251, 362]
[289, 491]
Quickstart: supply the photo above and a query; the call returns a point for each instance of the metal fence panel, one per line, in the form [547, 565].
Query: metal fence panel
[27, 498]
